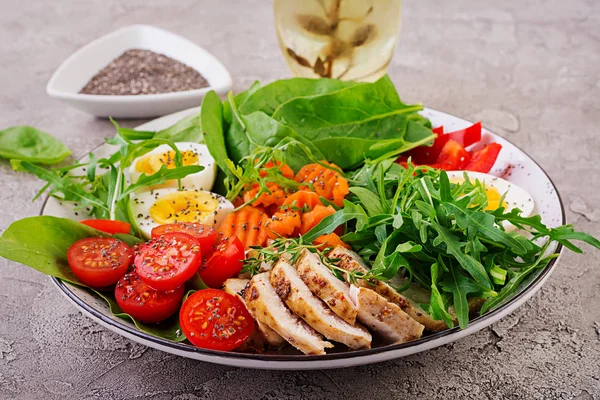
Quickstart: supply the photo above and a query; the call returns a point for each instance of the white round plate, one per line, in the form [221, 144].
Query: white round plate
[513, 165]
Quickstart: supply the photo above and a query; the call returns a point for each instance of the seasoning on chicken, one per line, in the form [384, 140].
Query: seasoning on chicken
[263, 302]
[262, 332]
[384, 317]
[326, 286]
[311, 309]
[350, 261]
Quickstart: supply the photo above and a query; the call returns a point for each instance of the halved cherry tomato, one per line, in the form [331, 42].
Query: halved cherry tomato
[99, 262]
[467, 136]
[204, 234]
[213, 319]
[225, 262]
[484, 159]
[144, 303]
[108, 225]
[167, 262]
[452, 157]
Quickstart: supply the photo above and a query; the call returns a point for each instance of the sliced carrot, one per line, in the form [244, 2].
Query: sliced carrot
[283, 223]
[303, 198]
[277, 196]
[285, 169]
[330, 240]
[326, 182]
[312, 218]
[248, 224]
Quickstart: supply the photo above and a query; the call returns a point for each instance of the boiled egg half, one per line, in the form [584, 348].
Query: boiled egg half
[153, 208]
[495, 188]
[192, 154]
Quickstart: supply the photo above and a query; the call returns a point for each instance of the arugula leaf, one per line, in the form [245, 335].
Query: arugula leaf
[26, 143]
[460, 286]
[370, 201]
[483, 223]
[437, 305]
[161, 176]
[454, 248]
[70, 190]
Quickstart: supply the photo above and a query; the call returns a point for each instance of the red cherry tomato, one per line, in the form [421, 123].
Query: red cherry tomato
[205, 234]
[108, 225]
[144, 303]
[225, 262]
[167, 262]
[99, 262]
[484, 159]
[213, 319]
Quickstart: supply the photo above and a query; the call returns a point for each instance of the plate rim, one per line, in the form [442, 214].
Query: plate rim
[280, 361]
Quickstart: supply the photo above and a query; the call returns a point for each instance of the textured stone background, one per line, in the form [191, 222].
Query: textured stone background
[529, 70]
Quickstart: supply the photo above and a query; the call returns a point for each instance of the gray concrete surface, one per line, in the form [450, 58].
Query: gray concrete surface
[529, 70]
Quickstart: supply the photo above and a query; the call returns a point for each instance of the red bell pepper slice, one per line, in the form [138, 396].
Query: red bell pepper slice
[429, 154]
[484, 159]
[467, 136]
[108, 226]
[452, 157]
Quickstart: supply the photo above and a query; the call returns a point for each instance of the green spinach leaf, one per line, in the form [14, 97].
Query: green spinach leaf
[26, 143]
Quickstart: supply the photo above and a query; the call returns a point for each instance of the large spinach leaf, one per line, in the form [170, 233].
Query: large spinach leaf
[271, 96]
[247, 132]
[26, 143]
[42, 243]
[350, 105]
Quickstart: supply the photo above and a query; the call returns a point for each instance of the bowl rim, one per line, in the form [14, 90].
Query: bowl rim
[222, 84]
[475, 324]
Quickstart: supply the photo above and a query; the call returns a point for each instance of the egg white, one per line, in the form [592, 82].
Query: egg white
[516, 197]
[202, 180]
[141, 203]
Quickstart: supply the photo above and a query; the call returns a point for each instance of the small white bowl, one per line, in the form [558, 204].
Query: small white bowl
[72, 75]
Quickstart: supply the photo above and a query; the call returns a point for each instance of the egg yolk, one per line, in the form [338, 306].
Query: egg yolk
[151, 163]
[492, 194]
[183, 206]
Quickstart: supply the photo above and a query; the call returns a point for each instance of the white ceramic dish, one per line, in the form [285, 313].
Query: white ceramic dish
[513, 164]
[72, 75]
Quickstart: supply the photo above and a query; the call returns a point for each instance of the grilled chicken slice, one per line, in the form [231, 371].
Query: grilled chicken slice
[311, 309]
[264, 303]
[236, 287]
[350, 261]
[326, 286]
[384, 317]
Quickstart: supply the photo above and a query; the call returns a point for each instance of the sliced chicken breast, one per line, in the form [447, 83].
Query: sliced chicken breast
[265, 335]
[298, 297]
[350, 261]
[326, 286]
[264, 303]
[384, 317]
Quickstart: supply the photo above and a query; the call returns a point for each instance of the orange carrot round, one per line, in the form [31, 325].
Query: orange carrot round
[326, 182]
[330, 240]
[248, 224]
[283, 223]
[303, 198]
[312, 218]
